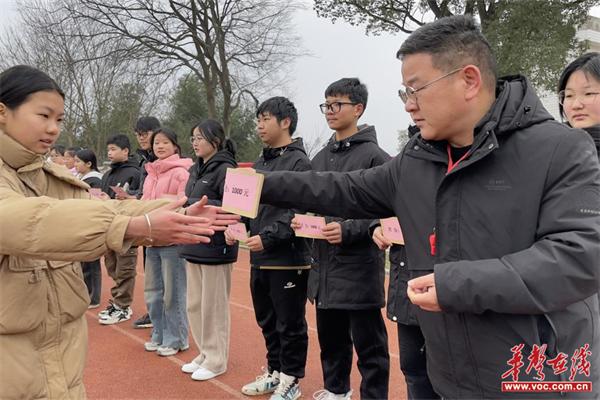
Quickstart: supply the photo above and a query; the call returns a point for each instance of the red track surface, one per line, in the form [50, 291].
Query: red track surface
[119, 368]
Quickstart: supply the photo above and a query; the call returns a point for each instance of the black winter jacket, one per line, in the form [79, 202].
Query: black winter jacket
[142, 157]
[399, 308]
[350, 275]
[208, 180]
[594, 132]
[121, 173]
[94, 179]
[282, 249]
[518, 240]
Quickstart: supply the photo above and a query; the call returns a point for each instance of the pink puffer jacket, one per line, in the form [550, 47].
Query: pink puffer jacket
[166, 177]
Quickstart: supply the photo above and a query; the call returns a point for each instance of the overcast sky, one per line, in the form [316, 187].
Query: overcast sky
[338, 50]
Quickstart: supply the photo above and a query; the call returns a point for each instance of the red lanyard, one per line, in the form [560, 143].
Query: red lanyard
[452, 164]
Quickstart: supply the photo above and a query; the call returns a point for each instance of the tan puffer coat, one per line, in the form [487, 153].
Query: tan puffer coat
[48, 223]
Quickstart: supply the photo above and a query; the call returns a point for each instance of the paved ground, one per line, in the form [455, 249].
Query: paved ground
[119, 368]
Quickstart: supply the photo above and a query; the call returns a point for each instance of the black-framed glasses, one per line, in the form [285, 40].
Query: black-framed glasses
[142, 135]
[334, 107]
[568, 98]
[409, 93]
[196, 139]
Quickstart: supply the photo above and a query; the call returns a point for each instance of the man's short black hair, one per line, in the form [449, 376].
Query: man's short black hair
[351, 87]
[145, 124]
[281, 108]
[453, 42]
[119, 140]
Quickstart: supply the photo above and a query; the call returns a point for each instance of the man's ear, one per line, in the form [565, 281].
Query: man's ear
[359, 110]
[3, 113]
[472, 81]
[285, 123]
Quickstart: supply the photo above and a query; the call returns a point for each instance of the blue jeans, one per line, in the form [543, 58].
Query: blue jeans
[165, 295]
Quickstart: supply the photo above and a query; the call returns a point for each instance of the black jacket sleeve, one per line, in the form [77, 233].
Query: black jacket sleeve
[357, 230]
[359, 194]
[562, 265]
[280, 230]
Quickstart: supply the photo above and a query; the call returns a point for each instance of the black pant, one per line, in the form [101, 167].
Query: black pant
[92, 276]
[413, 362]
[279, 299]
[338, 331]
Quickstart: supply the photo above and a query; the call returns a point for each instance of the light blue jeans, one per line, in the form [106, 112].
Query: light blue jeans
[165, 295]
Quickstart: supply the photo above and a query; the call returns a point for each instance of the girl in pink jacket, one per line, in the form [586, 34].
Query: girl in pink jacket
[165, 278]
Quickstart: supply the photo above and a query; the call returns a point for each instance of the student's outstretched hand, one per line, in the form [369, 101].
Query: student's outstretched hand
[333, 232]
[166, 226]
[219, 219]
[421, 292]
[254, 243]
[381, 241]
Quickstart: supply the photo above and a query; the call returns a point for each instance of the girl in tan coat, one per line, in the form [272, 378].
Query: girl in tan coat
[48, 221]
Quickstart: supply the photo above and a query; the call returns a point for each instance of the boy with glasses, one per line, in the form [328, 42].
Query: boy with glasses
[347, 278]
[144, 128]
[500, 212]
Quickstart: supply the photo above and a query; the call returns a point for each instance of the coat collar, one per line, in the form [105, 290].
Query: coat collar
[17, 156]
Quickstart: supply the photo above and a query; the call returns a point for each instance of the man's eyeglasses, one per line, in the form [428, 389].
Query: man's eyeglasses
[334, 107]
[196, 139]
[568, 98]
[142, 135]
[409, 93]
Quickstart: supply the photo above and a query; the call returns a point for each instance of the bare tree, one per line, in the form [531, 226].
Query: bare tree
[236, 48]
[107, 83]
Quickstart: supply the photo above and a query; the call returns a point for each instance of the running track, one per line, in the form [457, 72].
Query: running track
[119, 368]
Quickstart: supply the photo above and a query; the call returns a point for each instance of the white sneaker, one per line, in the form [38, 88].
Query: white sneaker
[203, 374]
[109, 309]
[118, 315]
[327, 395]
[288, 388]
[190, 368]
[263, 384]
[151, 346]
[166, 351]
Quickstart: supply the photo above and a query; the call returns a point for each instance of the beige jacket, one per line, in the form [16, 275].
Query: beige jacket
[49, 222]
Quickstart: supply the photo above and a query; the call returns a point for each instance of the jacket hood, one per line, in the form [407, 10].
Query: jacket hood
[16, 155]
[594, 132]
[516, 107]
[270, 153]
[221, 157]
[160, 166]
[366, 133]
[92, 174]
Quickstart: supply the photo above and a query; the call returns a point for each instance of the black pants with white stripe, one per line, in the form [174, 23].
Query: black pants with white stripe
[279, 299]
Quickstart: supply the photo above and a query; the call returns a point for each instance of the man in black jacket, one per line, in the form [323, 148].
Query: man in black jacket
[500, 209]
[347, 278]
[280, 261]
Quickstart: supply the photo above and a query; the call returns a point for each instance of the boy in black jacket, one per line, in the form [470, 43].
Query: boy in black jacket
[280, 261]
[347, 277]
[123, 172]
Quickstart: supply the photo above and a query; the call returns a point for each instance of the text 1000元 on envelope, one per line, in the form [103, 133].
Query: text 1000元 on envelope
[241, 193]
